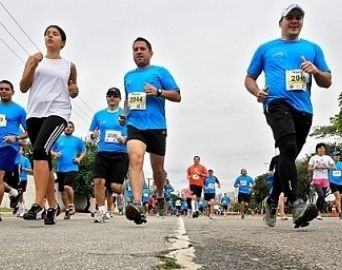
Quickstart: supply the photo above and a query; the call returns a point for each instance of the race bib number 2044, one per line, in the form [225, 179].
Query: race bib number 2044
[137, 101]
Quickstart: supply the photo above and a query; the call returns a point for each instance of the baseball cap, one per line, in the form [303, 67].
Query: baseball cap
[114, 91]
[291, 7]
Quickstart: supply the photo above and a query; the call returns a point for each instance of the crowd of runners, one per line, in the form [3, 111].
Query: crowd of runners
[124, 135]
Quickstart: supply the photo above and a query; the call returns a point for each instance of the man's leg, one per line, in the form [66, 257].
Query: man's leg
[99, 186]
[2, 186]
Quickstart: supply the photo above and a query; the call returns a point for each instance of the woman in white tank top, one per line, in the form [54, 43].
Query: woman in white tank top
[51, 80]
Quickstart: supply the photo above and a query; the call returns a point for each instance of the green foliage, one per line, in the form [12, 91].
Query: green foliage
[84, 179]
[335, 127]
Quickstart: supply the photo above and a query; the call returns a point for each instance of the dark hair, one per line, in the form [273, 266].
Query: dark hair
[148, 44]
[60, 30]
[197, 157]
[72, 123]
[8, 82]
[319, 145]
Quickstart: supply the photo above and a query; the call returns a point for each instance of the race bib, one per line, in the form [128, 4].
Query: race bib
[296, 80]
[111, 136]
[211, 186]
[3, 121]
[137, 101]
[195, 176]
[243, 183]
[336, 173]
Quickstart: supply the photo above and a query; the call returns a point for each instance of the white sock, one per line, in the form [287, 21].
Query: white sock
[196, 205]
[102, 208]
[13, 192]
[193, 206]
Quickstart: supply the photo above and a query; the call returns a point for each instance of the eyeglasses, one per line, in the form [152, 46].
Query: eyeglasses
[113, 95]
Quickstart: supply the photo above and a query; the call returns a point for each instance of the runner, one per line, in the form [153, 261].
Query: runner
[12, 116]
[319, 165]
[147, 88]
[69, 151]
[290, 65]
[196, 174]
[335, 178]
[111, 160]
[245, 184]
[51, 80]
[210, 191]
[225, 202]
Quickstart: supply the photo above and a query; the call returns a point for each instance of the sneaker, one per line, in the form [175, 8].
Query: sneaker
[319, 217]
[340, 215]
[51, 215]
[14, 201]
[21, 210]
[270, 208]
[242, 216]
[303, 213]
[161, 207]
[195, 214]
[36, 212]
[66, 214]
[135, 212]
[100, 217]
[15, 209]
[72, 209]
[0, 218]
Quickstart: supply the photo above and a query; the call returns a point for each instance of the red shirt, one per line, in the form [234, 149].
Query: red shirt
[196, 175]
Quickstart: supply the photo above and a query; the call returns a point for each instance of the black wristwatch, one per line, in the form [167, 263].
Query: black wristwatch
[159, 92]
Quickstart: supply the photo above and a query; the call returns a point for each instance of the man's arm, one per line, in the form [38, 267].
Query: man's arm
[253, 88]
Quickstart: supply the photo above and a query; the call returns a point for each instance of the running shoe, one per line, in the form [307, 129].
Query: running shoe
[0, 218]
[135, 212]
[66, 214]
[303, 213]
[340, 215]
[100, 217]
[51, 215]
[72, 209]
[36, 212]
[14, 201]
[270, 207]
[161, 207]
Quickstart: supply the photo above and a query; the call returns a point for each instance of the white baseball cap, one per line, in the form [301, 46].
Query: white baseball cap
[291, 7]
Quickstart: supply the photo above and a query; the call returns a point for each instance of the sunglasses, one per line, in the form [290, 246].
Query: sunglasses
[113, 95]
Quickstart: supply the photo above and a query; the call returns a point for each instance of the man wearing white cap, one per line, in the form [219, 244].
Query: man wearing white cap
[290, 65]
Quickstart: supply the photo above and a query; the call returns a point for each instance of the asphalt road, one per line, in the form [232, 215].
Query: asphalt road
[165, 243]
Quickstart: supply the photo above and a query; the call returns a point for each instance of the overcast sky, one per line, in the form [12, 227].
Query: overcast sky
[206, 45]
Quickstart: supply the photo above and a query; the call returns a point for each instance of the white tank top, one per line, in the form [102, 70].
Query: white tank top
[49, 93]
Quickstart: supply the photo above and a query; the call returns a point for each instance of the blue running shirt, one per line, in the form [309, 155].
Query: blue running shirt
[107, 122]
[245, 184]
[70, 148]
[280, 60]
[12, 116]
[209, 184]
[335, 176]
[147, 112]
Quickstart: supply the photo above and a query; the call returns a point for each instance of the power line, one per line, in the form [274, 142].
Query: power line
[14, 38]
[12, 50]
[85, 103]
[9, 14]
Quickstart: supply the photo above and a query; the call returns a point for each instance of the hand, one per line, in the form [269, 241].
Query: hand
[95, 134]
[121, 139]
[10, 139]
[34, 59]
[77, 161]
[73, 89]
[150, 90]
[308, 67]
[262, 94]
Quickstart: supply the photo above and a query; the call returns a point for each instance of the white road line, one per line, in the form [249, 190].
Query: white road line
[183, 252]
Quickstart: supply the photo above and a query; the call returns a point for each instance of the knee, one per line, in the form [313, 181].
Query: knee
[135, 160]
[117, 188]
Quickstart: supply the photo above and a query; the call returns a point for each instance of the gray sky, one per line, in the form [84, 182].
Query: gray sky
[206, 45]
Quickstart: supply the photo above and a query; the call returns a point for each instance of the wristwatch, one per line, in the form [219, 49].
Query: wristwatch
[159, 92]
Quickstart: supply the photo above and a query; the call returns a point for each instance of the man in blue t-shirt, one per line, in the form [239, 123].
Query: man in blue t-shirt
[69, 151]
[335, 179]
[225, 202]
[209, 189]
[290, 65]
[147, 88]
[245, 184]
[12, 116]
[111, 161]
